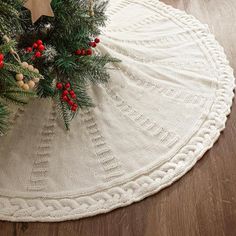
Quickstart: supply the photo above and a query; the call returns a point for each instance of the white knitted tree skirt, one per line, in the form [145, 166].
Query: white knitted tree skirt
[164, 108]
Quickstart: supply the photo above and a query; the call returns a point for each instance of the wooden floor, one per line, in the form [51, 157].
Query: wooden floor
[203, 202]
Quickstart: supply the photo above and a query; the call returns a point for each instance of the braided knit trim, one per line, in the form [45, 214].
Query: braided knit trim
[59, 207]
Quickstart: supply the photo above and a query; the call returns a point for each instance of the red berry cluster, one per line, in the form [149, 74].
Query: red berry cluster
[68, 95]
[94, 43]
[87, 52]
[83, 52]
[37, 48]
[1, 61]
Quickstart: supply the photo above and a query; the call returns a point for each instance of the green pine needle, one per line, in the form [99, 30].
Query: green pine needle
[4, 114]
[72, 28]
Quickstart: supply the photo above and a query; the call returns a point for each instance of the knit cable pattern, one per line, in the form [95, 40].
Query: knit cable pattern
[67, 206]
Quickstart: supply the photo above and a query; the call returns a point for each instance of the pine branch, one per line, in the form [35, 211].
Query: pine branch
[6, 47]
[93, 69]
[72, 28]
[20, 70]
[64, 112]
[10, 17]
[44, 88]
[7, 79]
[66, 64]
[4, 114]
[83, 100]
[16, 96]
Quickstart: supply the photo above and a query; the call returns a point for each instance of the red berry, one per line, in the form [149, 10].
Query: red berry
[89, 52]
[72, 92]
[1, 57]
[59, 85]
[65, 92]
[29, 49]
[65, 98]
[70, 102]
[78, 52]
[83, 52]
[97, 40]
[39, 42]
[74, 109]
[1, 64]
[67, 85]
[38, 54]
[73, 96]
[41, 48]
[35, 45]
[92, 44]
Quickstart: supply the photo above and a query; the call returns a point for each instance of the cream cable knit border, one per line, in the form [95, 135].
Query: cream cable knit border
[74, 206]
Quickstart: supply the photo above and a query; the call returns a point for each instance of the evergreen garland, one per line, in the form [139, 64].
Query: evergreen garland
[64, 71]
